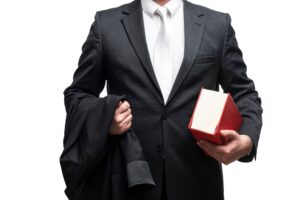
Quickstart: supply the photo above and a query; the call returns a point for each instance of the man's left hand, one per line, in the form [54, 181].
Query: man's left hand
[236, 147]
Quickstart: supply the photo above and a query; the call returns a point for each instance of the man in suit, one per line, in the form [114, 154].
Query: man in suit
[159, 54]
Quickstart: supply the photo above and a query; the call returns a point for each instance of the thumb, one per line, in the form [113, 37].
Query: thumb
[229, 134]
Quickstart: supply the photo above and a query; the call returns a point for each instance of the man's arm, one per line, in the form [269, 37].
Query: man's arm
[233, 79]
[89, 80]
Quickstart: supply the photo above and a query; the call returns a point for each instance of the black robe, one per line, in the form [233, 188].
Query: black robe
[96, 165]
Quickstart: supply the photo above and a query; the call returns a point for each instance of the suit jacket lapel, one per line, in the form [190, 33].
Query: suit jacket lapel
[134, 26]
[194, 26]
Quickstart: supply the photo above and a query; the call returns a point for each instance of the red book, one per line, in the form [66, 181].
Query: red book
[214, 111]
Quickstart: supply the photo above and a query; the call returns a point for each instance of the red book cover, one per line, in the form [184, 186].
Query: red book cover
[213, 112]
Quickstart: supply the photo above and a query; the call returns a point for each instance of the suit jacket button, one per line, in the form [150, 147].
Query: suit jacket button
[158, 148]
[164, 116]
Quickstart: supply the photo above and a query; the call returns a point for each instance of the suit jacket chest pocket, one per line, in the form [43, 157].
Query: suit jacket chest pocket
[205, 65]
[205, 59]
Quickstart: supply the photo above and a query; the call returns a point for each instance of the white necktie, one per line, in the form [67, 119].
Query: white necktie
[162, 61]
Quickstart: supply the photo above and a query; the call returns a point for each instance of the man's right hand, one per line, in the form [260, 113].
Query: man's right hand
[122, 119]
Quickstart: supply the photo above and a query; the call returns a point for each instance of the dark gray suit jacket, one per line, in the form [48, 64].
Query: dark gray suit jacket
[116, 51]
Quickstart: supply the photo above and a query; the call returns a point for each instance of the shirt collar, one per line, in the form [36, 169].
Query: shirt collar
[150, 6]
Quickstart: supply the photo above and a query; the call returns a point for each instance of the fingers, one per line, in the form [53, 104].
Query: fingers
[209, 149]
[124, 127]
[214, 148]
[123, 111]
[127, 126]
[123, 107]
[127, 120]
[121, 117]
[223, 153]
[122, 120]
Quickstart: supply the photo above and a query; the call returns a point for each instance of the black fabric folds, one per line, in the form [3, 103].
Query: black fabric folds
[96, 165]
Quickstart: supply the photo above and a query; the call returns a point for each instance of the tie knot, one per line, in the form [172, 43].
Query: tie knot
[162, 11]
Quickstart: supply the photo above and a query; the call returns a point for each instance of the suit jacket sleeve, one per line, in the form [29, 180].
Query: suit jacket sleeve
[89, 78]
[233, 79]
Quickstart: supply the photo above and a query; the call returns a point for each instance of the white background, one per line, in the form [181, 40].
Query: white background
[40, 43]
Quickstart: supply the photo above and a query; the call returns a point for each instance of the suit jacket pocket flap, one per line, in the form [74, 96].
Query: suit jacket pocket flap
[205, 59]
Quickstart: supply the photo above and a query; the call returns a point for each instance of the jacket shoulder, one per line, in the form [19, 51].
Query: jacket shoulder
[115, 12]
[209, 14]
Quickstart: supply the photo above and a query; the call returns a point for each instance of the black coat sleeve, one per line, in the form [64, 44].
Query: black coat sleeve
[233, 79]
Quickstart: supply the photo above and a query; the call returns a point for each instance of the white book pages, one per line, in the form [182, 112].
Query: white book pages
[208, 112]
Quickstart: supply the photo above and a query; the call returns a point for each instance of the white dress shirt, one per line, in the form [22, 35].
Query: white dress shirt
[152, 24]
